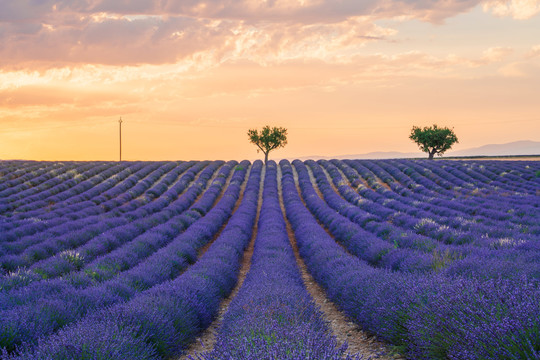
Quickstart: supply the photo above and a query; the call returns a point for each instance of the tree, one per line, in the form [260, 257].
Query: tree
[433, 140]
[268, 139]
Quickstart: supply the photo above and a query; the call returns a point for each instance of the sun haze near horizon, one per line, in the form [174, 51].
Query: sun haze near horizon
[190, 78]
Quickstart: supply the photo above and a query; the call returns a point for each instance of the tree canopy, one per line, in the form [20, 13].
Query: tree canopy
[268, 139]
[433, 140]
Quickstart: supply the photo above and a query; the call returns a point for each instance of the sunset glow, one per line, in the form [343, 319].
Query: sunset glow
[189, 78]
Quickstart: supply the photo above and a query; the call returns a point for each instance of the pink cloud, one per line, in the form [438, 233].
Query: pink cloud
[104, 38]
[56, 33]
[118, 41]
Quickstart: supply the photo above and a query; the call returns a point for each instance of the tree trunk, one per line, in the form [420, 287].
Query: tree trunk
[265, 158]
[431, 154]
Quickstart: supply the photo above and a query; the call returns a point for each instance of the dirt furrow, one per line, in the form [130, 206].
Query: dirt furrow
[342, 327]
[238, 202]
[206, 341]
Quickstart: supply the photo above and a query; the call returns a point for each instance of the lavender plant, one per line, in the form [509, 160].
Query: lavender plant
[159, 323]
[430, 316]
[273, 316]
[107, 260]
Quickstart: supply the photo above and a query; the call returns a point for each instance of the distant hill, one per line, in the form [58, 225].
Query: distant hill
[524, 147]
[513, 148]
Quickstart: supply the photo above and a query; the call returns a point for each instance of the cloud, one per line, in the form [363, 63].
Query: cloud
[103, 38]
[305, 11]
[517, 9]
[334, 42]
[133, 32]
[23, 10]
[496, 54]
[535, 52]
[293, 66]
[196, 34]
[512, 70]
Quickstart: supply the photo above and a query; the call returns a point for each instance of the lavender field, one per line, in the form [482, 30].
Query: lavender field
[131, 260]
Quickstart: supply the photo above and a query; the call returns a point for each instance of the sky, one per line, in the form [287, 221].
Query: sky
[189, 78]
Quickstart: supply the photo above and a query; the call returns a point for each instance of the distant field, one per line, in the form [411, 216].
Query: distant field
[133, 260]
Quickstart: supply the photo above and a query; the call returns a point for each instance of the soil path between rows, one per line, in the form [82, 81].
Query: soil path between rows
[206, 341]
[202, 250]
[342, 327]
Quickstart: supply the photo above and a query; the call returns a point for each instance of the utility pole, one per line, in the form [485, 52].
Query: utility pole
[120, 123]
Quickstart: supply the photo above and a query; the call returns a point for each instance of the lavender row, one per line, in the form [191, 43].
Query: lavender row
[83, 205]
[459, 173]
[492, 205]
[382, 216]
[372, 217]
[396, 170]
[28, 250]
[400, 253]
[41, 245]
[389, 201]
[398, 203]
[427, 316]
[79, 205]
[160, 322]
[90, 198]
[99, 258]
[19, 176]
[273, 316]
[383, 245]
[64, 196]
[108, 241]
[528, 169]
[142, 199]
[166, 256]
[424, 218]
[497, 176]
[128, 255]
[482, 190]
[439, 190]
[105, 242]
[456, 215]
[57, 185]
[144, 216]
[58, 213]
[35, 182]
[13, 173]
